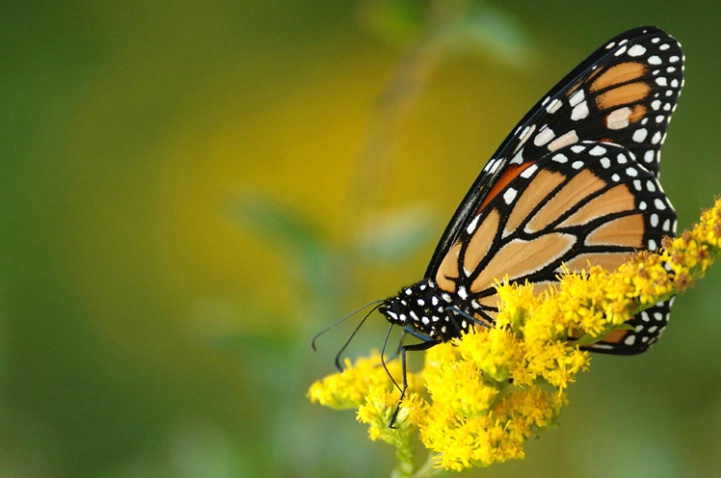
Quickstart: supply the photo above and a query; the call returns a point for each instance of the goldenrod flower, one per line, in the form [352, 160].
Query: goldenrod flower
[489, 391]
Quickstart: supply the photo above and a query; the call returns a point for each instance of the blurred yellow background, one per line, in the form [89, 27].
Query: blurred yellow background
[189, 192]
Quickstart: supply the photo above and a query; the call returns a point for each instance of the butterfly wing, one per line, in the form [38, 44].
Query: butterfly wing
[589, 203]
[576, 183]
[623, 93]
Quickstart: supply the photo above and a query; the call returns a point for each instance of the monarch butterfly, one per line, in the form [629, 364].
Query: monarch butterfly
[575, 183]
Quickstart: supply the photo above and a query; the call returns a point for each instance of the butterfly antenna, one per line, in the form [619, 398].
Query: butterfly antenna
[339, 321]
[355, 331]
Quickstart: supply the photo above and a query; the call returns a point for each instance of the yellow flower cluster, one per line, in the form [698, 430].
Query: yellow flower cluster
[489, 391]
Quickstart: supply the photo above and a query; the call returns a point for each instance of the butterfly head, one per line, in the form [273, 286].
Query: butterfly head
[427, 312]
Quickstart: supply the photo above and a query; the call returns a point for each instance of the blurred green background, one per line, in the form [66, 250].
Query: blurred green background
[188, 192]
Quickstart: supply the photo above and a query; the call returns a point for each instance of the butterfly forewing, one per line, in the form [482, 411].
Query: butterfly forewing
[623, 93]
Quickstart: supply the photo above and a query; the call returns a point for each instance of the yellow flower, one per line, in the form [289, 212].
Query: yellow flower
[489, 391]
[350, 388]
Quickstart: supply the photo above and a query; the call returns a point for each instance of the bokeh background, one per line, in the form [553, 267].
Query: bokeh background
[190, 190]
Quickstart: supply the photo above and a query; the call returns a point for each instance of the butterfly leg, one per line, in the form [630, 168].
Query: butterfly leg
[405, 348]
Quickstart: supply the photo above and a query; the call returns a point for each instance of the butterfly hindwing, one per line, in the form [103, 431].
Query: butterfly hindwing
[647, 328]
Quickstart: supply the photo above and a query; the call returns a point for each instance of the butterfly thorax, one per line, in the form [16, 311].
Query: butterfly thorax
[425, 309]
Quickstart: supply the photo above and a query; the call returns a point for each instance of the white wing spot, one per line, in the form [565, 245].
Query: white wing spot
[656, 104]
[526, 133]
[618, 119]
[616, 178]
[650, 186]
[656, 138]
[654, 60]
[543, 137]
[576, 98]
[622, 159]
[630, 340]
[659, 204]
[562, 141]
[664, 47]
[661, 81]
[649, 156]
[632, 172]
[528, 172]
[577, 164]
[554, 106]
[509, 195]
[518, 158]
[560, 158]
[489, 164]
[639, 135]
[597, 151]
[606, 163]
[654, 220]
[636, 50]
[652, 245]
[579, 112]
[473, 224]
[620, 51]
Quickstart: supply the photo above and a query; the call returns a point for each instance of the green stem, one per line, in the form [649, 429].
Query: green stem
[405, 467]
[428, 469]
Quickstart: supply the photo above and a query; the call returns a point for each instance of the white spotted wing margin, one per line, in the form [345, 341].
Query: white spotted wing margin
[623, 93]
